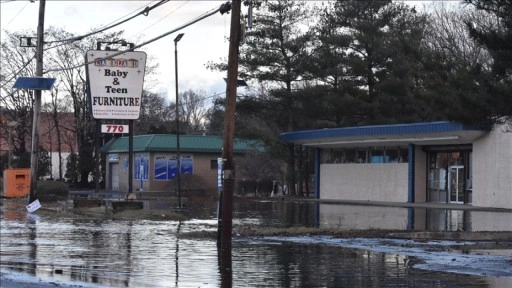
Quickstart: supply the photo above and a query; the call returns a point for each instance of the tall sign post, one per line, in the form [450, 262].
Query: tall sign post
[115, 89]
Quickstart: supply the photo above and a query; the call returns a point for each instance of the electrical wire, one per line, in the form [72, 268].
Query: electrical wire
[144, 12]
[206, 15]
[19, 71]
[202, 99]
[142, 7]
[15, 15]
[73, 39]
[5, 82]
[167, 15]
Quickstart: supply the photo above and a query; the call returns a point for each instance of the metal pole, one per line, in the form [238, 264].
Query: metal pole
[97, 127]
[37, 105]
[130, 157]
[176, 40]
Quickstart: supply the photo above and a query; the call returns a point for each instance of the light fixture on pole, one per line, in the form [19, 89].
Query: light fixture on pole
[178, 160]
[11, 126]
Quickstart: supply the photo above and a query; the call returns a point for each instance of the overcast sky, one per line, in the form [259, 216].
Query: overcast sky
[203, 41]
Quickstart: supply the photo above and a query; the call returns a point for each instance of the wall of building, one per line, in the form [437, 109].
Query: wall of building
[492, 169]
[373, 182]
[55, 164]
[490, 221]
[362, 217]
[204, 176]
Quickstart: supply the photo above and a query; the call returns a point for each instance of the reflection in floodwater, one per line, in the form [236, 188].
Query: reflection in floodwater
[424, 219]
[143, 253]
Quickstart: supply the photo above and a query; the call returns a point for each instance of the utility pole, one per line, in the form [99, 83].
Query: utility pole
[227, 152]
[37, 105]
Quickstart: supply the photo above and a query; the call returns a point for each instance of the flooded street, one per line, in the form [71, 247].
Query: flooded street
[102, 252]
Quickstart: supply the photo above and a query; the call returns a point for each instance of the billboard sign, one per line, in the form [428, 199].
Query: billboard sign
[115, 83]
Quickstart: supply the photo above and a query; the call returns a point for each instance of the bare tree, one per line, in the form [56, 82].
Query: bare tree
[449, 35]
[16, 104]
[56, 112]
[193, 110]
[156, 115]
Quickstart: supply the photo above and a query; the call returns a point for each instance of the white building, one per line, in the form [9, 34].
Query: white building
[412, 163]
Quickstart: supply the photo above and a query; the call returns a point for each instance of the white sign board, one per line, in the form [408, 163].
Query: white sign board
[114, 128]
[32, 207]
[115, 83]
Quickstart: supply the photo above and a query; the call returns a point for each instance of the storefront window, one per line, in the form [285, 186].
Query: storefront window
[365, 155]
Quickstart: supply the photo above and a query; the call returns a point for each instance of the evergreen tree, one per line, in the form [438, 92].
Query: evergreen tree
[275, 52]
[366, 59]
[72, 170]
[498, 40]
[44, 163]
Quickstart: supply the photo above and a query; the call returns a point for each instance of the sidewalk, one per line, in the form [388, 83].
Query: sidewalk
[428, 205]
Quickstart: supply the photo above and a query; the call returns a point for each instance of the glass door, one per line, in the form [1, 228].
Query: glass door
[456, 183]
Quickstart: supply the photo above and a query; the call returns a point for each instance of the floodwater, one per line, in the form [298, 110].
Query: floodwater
[142, 253]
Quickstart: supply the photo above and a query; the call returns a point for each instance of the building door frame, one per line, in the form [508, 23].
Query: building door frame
[440, 161]
[456, 184]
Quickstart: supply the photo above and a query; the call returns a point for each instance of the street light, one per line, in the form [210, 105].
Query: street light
[11, 126]
[176, 40]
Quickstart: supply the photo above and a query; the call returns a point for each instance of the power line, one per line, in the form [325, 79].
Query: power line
[19, 71]
[144, 12]
[206, 15]
[145, 5]
[202, 99]
[28, 62]
[70, 40]
[16, 14]
[167, 15]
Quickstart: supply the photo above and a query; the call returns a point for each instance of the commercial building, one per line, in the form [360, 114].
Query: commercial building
[155, 166]
[412, 163]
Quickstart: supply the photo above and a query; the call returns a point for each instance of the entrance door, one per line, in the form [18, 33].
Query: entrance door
[114, 176]
[456, 183]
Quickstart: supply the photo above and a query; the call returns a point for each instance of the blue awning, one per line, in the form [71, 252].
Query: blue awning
[427, 133]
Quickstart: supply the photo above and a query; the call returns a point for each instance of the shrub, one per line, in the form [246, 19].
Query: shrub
[57, 188]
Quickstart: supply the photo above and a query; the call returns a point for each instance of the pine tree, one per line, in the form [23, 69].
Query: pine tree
[498, 40]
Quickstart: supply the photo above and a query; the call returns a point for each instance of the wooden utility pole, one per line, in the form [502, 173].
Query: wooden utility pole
[37, 105]
[228, 166]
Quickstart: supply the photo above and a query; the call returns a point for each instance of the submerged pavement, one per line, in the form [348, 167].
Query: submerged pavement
[441, 256]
